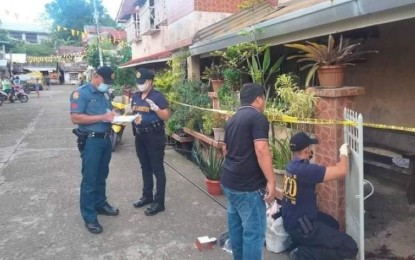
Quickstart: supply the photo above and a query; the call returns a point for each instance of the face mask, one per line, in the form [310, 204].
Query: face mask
[103, 88]
[142, 87]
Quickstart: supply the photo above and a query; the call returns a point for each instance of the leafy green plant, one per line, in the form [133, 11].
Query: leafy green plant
[281, 153]
[188, 92]
[211, 163]
[163, 81]
[228, 99]
[232, 78]
[214, 72]
[291, 100]
[344, 53]
[258, 60]
[219, 120]
[207, 128]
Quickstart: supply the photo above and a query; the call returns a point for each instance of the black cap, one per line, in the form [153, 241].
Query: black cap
[107, 74]
[143, 74]
[301, 140]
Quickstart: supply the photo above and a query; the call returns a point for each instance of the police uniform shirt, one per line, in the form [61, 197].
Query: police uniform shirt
[299, 185]
[241, 170]
[141, 106]
[88, 100]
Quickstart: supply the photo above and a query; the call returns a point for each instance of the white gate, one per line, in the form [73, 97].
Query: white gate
[353, 135]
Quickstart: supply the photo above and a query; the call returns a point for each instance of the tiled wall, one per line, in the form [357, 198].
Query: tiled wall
[178, 9]
[228, 6]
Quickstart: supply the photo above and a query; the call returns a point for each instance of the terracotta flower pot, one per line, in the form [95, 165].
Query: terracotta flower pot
[331, 76]
[213, 187]
[216, 84]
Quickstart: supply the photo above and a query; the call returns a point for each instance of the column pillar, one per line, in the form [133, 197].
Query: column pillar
[193, 67]
[330, 105]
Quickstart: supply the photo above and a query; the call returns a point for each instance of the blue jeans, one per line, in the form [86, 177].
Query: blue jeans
[246, 223]
[96, 157]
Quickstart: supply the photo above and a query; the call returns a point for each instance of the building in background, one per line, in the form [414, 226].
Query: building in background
[29, 33]
[157, 29]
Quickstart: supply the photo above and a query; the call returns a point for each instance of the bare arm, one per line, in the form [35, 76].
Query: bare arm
[265, 162]
[163, 114]
[84, 119]
[338, 171]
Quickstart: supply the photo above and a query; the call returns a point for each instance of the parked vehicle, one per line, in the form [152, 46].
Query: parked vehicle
[16, 94]
[117, 129]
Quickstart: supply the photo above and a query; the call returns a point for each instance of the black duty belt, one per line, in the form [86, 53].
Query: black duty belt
[154, 126]
[99, 135]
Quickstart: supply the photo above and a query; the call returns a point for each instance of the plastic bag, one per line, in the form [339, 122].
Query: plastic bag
[277, 239]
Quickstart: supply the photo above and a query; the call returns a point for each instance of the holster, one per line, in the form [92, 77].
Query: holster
[81, 140]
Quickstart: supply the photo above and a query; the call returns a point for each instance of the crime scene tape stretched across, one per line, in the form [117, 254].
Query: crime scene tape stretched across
[315, 121]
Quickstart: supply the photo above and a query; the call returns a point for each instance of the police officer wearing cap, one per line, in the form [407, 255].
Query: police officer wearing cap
[91, 111]
[315, 234]
[150, 140]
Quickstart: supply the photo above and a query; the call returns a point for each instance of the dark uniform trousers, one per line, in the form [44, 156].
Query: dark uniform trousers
[150, 145]
[95, 168]
[325, 242]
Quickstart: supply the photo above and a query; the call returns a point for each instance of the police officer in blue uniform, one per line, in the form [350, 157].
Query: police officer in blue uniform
[150, 140]
[315, 233]
[91, 111]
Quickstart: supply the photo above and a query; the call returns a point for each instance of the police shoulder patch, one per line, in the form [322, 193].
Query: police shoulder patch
[75, 95]
[138, 75]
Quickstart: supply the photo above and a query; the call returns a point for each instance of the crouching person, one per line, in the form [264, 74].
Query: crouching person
[315, 234]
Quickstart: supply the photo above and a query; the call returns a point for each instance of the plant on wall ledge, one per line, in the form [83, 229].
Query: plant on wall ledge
[291, 100]
[258, 61]
[324, 58]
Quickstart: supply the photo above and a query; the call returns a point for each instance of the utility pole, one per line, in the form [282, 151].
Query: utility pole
[101, 63]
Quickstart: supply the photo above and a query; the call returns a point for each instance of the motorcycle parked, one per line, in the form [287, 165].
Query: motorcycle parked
[117, 129]
[17, 93]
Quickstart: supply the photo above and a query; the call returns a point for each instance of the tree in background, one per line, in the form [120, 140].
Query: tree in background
[33, 49]
[74, 14]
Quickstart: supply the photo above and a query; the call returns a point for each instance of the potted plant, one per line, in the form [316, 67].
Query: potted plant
[214, 75]
[218, 126]
[207, 124]
[329, 60]
[290, 101]
[281, 153]
[211, 164]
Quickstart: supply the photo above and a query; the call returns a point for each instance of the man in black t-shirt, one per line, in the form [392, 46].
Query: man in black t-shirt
[247, 178]
[315, 234]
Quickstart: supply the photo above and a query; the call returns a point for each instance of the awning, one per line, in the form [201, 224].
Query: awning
[39, 68]
[317, 20]
[157, 57]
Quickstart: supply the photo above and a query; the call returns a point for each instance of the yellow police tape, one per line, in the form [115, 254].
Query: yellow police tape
[314, 121]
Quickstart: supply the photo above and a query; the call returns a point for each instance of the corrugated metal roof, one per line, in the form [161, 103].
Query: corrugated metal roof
[236, 22]
[302, 19]
[157, 57]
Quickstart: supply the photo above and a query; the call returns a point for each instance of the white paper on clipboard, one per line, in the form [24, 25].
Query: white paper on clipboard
[124, 119]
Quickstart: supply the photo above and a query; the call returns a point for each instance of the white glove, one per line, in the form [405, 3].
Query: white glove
[344, 150]
[153, 105]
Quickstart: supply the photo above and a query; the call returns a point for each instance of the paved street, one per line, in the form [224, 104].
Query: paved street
[39, 194]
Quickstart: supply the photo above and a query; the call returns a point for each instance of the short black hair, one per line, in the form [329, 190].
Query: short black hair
[249, 92]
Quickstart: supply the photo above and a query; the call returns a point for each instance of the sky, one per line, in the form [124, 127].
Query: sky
[22, 11]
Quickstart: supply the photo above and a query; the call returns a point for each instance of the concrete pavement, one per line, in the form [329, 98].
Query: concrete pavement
[39, 194]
